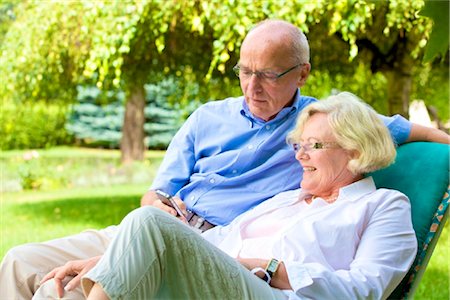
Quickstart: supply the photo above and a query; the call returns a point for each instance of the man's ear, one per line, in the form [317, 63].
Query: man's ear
[305, 69]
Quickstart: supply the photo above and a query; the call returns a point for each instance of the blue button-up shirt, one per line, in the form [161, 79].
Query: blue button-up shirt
[224, 161]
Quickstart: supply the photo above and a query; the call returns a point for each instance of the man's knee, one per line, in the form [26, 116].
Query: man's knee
[19, 278]
[48, 291]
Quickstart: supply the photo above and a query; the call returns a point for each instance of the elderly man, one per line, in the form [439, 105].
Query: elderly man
[228, 157]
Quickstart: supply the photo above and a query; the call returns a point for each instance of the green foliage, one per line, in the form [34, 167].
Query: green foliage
[119, 43]
[432, 86]
[32, 125]
[101, 125]
[369, 87]
[95, 124]
[438, 43]
[43, 50]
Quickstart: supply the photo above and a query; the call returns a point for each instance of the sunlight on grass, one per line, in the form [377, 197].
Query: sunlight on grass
[39, 216]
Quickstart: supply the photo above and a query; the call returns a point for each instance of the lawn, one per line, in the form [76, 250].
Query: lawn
[84, 188]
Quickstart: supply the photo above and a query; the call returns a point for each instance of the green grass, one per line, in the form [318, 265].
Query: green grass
[39, 216]
[34, 216]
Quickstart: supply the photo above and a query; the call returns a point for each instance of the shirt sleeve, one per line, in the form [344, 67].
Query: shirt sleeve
[179, 160]
[386, 250]
[399, 127]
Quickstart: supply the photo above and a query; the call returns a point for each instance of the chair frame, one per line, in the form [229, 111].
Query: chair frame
[426, 250]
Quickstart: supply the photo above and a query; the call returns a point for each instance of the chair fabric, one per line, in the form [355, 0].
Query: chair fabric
[420, 171]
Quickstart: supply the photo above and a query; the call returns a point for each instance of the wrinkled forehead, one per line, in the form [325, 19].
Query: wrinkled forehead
[266, 49]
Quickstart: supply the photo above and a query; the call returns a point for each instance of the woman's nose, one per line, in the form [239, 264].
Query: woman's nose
[301, 154]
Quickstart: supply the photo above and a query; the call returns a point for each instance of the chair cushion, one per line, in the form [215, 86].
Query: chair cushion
[420, 171]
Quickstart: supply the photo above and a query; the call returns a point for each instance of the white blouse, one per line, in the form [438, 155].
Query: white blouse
[358, 247]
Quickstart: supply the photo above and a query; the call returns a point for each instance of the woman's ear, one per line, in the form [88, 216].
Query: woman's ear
[304, 73]
[353, 154]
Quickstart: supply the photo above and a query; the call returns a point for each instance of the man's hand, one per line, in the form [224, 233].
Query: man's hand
[76, 268]
[150, 198]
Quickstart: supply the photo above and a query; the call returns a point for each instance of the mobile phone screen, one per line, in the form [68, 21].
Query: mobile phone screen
[168, 200]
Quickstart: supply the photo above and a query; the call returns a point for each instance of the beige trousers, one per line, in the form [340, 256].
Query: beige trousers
[155, 256]
[24, 266]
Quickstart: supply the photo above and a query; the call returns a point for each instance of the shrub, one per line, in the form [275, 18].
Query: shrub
[33, 125]
[97, 124]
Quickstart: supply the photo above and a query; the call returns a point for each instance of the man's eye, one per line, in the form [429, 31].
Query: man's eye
[268, 75]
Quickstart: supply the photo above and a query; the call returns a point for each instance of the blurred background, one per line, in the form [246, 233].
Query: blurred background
[92, 91]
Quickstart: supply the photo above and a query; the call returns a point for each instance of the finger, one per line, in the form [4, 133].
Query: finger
[74, 283]
[182, 206]
[159, 204]
[62, 273]
[49, 275]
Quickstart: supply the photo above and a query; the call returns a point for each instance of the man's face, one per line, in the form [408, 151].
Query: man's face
[265, 51]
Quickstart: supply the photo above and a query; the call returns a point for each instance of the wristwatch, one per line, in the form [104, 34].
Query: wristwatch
[272, 267]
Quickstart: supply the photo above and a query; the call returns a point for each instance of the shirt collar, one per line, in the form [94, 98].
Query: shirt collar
[245, 111]
[351, 192]
[357, 189]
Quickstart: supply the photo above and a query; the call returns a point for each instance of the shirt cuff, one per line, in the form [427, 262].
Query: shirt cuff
[399, 127]
[298, 275]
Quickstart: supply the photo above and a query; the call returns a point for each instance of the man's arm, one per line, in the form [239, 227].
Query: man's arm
[428, 134]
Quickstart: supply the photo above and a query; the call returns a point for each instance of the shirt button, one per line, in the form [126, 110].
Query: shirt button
[234, 171]
[212, 180]
[192, 198]
[250, 147]
[267, 127]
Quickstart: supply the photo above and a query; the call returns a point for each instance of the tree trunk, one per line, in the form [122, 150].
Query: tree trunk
[399, 75]
[132, 143]
[398, 92]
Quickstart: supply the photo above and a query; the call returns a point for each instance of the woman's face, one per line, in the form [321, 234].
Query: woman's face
[324, 170]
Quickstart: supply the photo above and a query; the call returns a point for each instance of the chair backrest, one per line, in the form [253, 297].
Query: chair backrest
[420, 171]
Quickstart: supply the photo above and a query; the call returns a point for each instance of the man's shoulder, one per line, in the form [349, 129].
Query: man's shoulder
[223, 106]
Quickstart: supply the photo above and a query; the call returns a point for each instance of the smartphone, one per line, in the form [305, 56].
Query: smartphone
[168, 200]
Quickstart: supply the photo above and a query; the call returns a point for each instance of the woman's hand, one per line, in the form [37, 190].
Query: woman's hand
[76, 268]
[280, 280]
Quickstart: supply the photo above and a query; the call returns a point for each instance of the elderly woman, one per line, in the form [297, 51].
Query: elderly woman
[338, 237]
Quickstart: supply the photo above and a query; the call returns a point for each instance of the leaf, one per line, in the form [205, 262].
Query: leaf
[438, 42]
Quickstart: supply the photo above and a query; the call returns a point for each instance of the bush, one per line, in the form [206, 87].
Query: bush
[33, 125]
[94, 124]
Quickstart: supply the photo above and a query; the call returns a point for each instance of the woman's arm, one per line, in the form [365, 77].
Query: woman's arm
[279, 280]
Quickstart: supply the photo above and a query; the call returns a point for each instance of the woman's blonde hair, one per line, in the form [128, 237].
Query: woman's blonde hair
[357, 127]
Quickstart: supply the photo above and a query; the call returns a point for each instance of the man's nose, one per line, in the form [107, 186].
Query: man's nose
[254, 84]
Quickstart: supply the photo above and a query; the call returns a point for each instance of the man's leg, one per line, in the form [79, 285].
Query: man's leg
[155, 256]
[24, 266]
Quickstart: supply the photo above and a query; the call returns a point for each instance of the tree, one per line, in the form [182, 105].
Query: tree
[129, 43]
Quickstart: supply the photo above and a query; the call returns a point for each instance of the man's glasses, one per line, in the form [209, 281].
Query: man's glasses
[315, 146]
[245, 73]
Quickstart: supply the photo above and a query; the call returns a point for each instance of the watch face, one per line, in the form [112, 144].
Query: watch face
[272, 267]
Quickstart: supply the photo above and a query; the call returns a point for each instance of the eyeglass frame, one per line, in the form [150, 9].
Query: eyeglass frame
[263, 75]
[315, 146]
